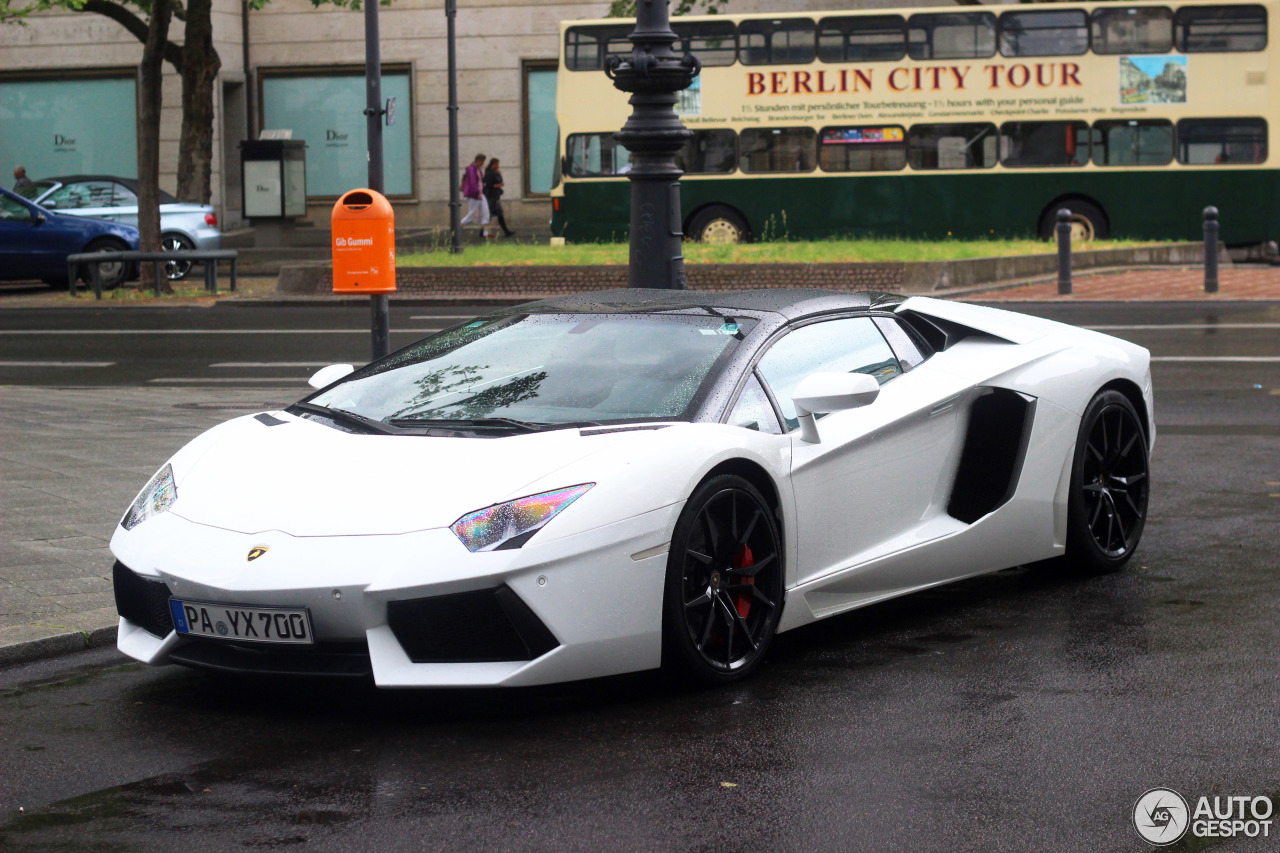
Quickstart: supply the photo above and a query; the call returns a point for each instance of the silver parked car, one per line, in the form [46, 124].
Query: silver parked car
[183, 226]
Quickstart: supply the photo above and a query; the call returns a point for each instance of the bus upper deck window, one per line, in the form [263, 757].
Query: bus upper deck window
[1222, 141]
[1142, 30]
[586, 47]
[784, 41]
[1063, 33]
[952, 35]
[1221, 29]
[714, 42]
[864, 38]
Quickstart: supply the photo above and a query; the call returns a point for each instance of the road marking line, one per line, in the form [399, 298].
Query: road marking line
[57, 363]
[1186, 326]
[1234, 358]
[207, 331]
[180, 380]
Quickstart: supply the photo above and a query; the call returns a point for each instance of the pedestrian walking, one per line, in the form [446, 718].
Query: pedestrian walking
[493, 194]
[20, 178]
[472, 189]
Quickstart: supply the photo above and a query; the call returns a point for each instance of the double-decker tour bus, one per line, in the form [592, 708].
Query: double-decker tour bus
[964, 121]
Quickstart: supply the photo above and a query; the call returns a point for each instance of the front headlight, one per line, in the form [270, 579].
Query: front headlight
[510, 524]
[156, 498]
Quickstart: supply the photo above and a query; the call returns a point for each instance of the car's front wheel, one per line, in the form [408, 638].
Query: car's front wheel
[723, 592]
[176, 270]
[1110, 484]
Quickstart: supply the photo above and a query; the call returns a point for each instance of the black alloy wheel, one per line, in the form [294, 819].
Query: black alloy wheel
[723, 593]
[1110, 485]
[176, 270]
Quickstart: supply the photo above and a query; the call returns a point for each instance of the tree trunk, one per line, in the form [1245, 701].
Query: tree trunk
[149, 104]
[200, 66]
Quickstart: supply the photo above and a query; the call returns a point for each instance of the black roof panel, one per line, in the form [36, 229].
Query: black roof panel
[790, 302]
[131, 183]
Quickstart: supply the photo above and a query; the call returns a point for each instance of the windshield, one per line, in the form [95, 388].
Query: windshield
[544, 369]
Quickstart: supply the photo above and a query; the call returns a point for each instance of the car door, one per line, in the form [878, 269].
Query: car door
[17, 233]
[125, 204]
[880, 474]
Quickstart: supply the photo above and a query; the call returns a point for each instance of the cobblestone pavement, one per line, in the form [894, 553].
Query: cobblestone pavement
[71, 460]
[1234, 283]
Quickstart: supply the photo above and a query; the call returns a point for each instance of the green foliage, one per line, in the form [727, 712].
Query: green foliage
[627, 8]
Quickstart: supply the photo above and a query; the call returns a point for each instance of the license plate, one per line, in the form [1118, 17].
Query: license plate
[246, 624]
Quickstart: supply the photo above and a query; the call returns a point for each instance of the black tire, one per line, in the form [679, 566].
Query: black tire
[174, 242]
[723, 594]
[719, 224]
[1088, 222]
[114, 273]
[1110, 485]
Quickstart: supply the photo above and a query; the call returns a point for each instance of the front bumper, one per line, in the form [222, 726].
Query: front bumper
[600, 608]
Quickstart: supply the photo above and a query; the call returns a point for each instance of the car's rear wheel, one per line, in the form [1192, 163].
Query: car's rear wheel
[112, 273]
[723, 592]
[176, 270]
[1110, 484]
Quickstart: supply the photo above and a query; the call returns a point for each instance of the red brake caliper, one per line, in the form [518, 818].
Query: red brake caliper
[742, 560]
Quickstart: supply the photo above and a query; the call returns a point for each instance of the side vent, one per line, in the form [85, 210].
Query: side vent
[995, 445]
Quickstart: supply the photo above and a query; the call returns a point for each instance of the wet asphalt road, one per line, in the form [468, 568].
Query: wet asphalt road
[1027, 710]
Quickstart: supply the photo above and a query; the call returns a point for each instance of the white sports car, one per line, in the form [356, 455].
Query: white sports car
[611, 482]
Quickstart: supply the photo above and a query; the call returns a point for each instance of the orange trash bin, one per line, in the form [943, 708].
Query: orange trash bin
[364, 243]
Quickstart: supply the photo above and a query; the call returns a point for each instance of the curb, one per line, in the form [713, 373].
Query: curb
[54, 645]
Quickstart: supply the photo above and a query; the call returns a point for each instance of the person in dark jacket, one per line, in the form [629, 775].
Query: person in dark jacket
[20, 178]
[493, 194]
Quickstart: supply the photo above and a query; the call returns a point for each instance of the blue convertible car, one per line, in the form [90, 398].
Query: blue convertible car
[35, 242]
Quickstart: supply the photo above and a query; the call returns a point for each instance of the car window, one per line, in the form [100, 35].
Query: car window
[851, 345]
[905, 347]
[34, 190]
[753, 409]
[122, 196]
[12, 211]
[81, 195]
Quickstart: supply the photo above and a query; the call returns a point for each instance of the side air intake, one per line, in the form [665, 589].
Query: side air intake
[995, 445]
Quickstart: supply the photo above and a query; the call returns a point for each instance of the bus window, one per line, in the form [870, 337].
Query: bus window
[952, 146]
[586, 47]
[1227, 141]
[1044, 33]
[788, 41]
[1132, 142]
[952, 35]
[1145, 30]
[868, 38]
[778, 149]
[862, 149]
[714, 42]
[1044, 143]
[596, 155]
[1221, 29]
[709, 152]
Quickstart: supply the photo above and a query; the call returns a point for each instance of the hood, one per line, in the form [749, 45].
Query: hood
[307, 479]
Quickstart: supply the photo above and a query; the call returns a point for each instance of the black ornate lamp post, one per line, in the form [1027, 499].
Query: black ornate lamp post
[653, 134]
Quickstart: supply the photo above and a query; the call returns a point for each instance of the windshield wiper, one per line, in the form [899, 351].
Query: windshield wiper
[344, 415]
[487, 423]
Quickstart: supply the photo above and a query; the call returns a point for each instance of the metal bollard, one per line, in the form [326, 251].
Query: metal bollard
[95, 278]
[1211, 249]
[211, 275]
[1064, 252]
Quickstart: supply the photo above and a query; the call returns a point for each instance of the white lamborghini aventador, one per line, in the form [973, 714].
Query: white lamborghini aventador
[612, 482]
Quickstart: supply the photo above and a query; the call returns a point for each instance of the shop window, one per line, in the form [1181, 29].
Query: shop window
[952, 35]
[586, 47]
[1044, 33]
[1133, 142]
[1230, 141]
[1141, 30]
[77, 124]
[866, 38]
[541, 131]
[714, 42]
[1221, 29]
[787, 41]
[878, 148]
[778, 149]
[596, 155]
[709, 152]
[1026, 144]
[952, 146]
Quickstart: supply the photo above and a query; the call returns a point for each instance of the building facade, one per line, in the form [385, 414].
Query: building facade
[68, 96]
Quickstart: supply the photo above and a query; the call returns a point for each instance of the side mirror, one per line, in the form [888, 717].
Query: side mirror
[40, 219]
[820, 393]
[329, 375]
